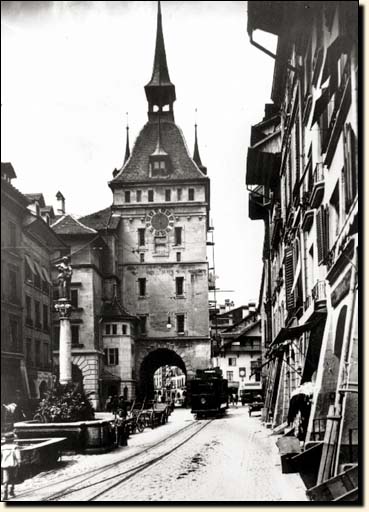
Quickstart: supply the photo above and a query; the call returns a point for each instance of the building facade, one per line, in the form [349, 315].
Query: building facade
[161, 196]
[302, 175]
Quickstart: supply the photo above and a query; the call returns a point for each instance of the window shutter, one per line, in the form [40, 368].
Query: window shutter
[320, 235]
[288, 274]
[326, 232]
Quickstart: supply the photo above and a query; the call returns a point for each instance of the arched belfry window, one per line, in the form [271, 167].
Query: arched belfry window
[340, 331]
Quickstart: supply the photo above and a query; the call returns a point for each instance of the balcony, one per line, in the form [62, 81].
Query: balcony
[317, 192]
[316, 302]
[258, 200]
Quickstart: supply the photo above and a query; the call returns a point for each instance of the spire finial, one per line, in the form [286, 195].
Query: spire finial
[196, 153]
[160, 91]
[128, 152]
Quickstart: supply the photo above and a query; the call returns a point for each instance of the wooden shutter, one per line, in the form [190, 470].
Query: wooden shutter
[326, 232]
[319, 234]
[350, 166]
[288, 277]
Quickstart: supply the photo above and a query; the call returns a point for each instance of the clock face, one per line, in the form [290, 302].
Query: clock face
[160, 221]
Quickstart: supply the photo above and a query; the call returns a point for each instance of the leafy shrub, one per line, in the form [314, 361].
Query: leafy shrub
[65, 403]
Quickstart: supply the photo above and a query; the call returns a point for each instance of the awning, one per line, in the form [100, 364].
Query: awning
[291, 333]
[108, 376]
[46, 276]
[261, 166]
[30, 264]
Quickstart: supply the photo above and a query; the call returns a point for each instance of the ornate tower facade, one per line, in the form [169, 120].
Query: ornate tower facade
[162, 196]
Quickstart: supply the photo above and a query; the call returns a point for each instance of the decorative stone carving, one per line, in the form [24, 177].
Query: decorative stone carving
[64, 308]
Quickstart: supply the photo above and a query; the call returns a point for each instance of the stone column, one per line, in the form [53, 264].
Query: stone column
[64, 308]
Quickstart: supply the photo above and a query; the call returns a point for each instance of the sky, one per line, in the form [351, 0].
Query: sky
[70, 71]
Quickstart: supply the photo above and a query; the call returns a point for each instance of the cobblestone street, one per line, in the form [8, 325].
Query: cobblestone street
[228, 459]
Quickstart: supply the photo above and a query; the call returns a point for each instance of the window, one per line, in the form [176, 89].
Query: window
[179, 194]
[141, 236]
[12, 235]
[38, 352]
[180, 324]
[350, 165]
[161, 245]
[127, 196]
[37, 281]
[28, 310]
[138, 196]
[29, 351]
[111, 356]
[150, 196]
[229, 376]
[14, 334]
[114, 329]
[37, 314]
[168, 194]
[107, 329]
[232, 361]
[74, 298]
[179, 285]
[13, 285]
[178, 256]
[142, 257]
[28, 274]
[46, 358]
[177, 236]
[56, 336]
[75, 334]
[45, 316]
[142, 286]
[143, 322]
[124, 329]
[191, 194]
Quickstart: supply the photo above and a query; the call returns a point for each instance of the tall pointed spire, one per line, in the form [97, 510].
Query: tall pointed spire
[160, 91]
[196, 153]
[128, 152]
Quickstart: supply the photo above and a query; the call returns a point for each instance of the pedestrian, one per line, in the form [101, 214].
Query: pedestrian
[236, 399]
[10, 461]
[108, 404]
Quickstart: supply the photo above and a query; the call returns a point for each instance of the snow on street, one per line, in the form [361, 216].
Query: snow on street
[231, 459]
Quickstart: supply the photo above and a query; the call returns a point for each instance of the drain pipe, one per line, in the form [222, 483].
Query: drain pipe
[268, 52]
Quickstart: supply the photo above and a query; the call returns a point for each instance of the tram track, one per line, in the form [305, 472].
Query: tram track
[87, 480]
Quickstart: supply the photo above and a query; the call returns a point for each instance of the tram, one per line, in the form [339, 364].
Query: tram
[208, 393]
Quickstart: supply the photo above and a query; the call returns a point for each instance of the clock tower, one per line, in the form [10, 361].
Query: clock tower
[162, 196]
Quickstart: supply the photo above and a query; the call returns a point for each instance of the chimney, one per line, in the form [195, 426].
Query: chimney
[61, 203]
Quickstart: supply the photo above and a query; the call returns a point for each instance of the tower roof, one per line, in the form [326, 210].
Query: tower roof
[128, 151]
[196, 154]
[171, 142]
[160, 90]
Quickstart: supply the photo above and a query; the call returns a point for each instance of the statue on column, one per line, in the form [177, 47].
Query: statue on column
[64, 278]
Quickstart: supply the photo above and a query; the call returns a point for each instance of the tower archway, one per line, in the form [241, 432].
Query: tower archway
[152, 362]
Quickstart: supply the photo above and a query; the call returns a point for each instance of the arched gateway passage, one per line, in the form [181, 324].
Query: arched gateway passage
[153, 361]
